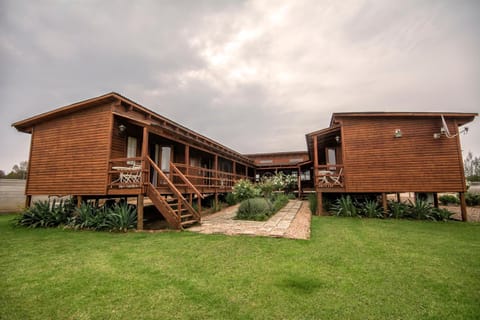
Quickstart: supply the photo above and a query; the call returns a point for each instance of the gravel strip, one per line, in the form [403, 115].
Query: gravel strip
[300, 226]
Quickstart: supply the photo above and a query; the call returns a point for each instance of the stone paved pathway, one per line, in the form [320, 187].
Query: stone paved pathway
[223, 222]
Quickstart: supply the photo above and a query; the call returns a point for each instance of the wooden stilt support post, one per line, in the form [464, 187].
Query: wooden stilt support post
[140, 212]
[463, 206]
[145, 177]
[79, 201]
[234, 167]
[319, 203]
[299, 183]
[216, 199]
[215, 165]
[398, 196]
[435, 200]
[28, 201]
[199, 202]
[384, 204]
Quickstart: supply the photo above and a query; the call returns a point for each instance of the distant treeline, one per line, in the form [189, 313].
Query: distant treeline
[19, 171]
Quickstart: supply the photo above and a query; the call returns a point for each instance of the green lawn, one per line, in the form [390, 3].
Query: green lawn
[350, 269]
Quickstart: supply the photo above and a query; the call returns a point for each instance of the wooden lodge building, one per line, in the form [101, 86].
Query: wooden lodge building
[112, 147]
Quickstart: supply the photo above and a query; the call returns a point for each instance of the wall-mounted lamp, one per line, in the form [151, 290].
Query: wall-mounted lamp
[398, 133]
[337, 138]
[437, 135]
[122, 128]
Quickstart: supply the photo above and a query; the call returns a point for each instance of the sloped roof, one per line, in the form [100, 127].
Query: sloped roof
[156, 120]
[461, 117]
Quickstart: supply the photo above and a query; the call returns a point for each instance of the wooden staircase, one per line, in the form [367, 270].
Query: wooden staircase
[178, 212]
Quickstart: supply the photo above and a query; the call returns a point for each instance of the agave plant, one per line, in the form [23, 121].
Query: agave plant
[121, 218]
[345, 206]
[88, 217]
[43, 214]
[441, 214]
[37, 216]
[398, 209]
[421, 210]
[371, 209]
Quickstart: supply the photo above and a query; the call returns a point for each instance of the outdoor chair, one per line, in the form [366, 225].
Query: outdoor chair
[129, 177]
[133, 176]
[337, 178]
[324, 181]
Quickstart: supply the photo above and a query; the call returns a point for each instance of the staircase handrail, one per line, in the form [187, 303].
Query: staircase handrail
[174, 189]
[186, 181]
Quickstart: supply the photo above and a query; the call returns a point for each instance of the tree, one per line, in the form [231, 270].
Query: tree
[2, 174]
[19, 171]
[472, 167]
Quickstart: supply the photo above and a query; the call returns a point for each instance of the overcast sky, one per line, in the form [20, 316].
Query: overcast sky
[253, 75]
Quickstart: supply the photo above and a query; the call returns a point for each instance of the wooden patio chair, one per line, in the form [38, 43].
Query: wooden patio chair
[336, 178]
[324, 178]
[132, 177]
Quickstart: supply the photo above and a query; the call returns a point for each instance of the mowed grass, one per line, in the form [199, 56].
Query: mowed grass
[350, 269]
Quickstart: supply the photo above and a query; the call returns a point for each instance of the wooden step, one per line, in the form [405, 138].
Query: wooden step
[183, 223]
[176, 211]
[186, 215]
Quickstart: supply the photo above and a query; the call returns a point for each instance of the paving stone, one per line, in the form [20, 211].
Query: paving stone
[223, 222]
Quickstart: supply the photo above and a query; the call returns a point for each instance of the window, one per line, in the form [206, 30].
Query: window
[166, 155]
[331, 158]
[305, 175]
[131, 149]
[295, 160]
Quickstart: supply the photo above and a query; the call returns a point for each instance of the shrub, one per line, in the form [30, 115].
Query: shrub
[371, 209]
[312, 203]
[257, 209]
[472, 199]
[115, 217]
[44, 214]
[279, 201]
[230, 199]
[278, 182]
[441, 214]
[121, 218]
[420, 210]
[89, 217]
[215, 206]
[398, 210]
[244, 190]
[266, 187]
[345, 206]
[447, 199]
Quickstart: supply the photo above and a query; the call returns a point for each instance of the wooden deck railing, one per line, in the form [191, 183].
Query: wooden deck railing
[209, 178]
[330, 176]
[126, 173]
[177, 173]
[135, 173]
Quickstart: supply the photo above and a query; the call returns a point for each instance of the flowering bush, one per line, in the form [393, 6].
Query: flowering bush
[244, 189]
[278, 182]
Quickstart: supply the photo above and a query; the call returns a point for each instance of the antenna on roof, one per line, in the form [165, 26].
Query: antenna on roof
[444, 130]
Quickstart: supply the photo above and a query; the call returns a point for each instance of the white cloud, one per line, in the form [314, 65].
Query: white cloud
[255, 75]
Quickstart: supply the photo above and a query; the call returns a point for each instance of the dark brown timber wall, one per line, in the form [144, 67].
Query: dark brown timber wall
[376, 161]
[69, 154]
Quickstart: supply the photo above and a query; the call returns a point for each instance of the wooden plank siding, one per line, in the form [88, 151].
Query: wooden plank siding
[69, 154]
[278, 159]
[72, 149]
[376, 161]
